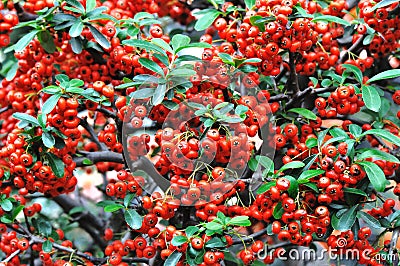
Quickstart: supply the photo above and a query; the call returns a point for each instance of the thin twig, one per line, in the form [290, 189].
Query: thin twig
[102, 146]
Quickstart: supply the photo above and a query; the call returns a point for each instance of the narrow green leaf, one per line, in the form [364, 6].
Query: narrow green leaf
[206, 19]
[179, 40]
[113, 207]
[194, 45]
[48, 139]
[307, 175]
[160, 42]
[291, 165]
[142, 93]
[151, 65]
[347, 220]
[133, 219]
[76, 29]
[149, 47]
[369, 219]
[12, 71]
[215, 242]
[27, 118]
[90, 5]
[56, 165]
[354, 191]
[371, 98]
[375, 175]
[47, 246]
[377, 154]
[311, 142]
[355, 70]
[6, 205]
[386, 135]
[240, 221]
[159, 94]
[304, 112]
[24, 41]
[384, 3]
[278, 210]
[329, 18]
[173, 259]
[179, 240]
[250, 3]
[388, 74]
[76, 4]
[99, 37]
[191, 231]
[50, 103]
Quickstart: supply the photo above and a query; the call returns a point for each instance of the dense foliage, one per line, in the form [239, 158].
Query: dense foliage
[218, 128]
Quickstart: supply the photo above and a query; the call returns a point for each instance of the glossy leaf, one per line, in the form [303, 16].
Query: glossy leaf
[133, 219]
[56, 165]
[371, 98]
[304, 112]
[375, 175]
[206, 19]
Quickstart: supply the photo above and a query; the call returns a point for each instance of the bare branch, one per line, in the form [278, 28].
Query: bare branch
[99, 156]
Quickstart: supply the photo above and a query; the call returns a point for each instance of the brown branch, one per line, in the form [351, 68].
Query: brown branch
[93, 135]
[145, 165]
[98, 156]
[87, 221]
[351, 49]
[108, 113]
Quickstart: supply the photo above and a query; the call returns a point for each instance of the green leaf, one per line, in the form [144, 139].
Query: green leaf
[368, 39]
[90, 5]
[47, 246]
[173, 259]
[191, 231]
[312, 186]
[240, 221]
[62, 78]
[355, 70]
[50, 103]
[294, 186]
[160, 42]
[388, 74]
[113, 207]
[291, 165]
[371, 98]
[377, 154]
[226, 58]
[76, 4]
[207, 19]
[383, 134]
[355, 130]
[6, 205]
[76, 83]
[193, 45]
[213, 225]
[48, 139]
[44, 227]
[12, 71]
[369, 219]
[76, 28]
[278, 210]
[26, 118]
[384, 3]
[159, 94]
[24, 41]
[265, 187]
[375, 175]
[47, 41]
[99, 37]
[250, 3]
[179, 40]
[151, 65]
[329, 18]
[253, 164]
[91, 15]
[142, 93]
[354, 191]
[215, 242]
[307, 175]
[347, 220]
[182, 72]
[304, 112]
[128, 198]
[56, 165]
[133, 219]
[311, 142]
[258, 21]
[149, 47]
[179, 240]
